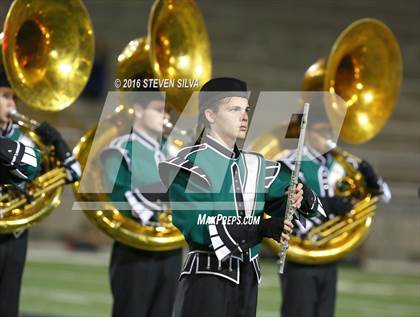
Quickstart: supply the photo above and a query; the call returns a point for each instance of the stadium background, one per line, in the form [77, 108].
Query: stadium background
[269, 44]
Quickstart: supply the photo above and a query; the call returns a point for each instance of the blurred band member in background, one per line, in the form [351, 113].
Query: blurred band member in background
[143, 283]
[310, 290]
[20, 162]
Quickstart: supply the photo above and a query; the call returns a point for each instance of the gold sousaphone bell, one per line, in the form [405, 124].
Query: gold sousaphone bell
[364, 68]
[177, 46]
[47, 53]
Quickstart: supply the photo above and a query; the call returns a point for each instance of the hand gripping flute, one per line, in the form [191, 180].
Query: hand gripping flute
[290, 210]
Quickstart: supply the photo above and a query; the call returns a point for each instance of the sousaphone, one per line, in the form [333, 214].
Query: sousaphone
[364, 68]
[47, 53]
[177, 35]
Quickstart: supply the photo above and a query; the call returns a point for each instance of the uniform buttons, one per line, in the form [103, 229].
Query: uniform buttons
[243, 241]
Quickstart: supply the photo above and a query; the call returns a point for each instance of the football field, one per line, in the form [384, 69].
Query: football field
[77, 285]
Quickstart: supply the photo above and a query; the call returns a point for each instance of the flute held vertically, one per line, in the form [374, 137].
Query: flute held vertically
[290, 210]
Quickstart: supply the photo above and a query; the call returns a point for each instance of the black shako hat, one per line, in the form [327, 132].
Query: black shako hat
[4, 82]
[219, 88]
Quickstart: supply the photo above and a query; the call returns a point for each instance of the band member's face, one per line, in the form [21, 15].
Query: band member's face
[318, 141]
[230, 119]
[153, 116]
[7, 101]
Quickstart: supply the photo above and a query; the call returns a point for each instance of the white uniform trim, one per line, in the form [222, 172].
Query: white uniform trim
[195, 255]
[29, 157]
[222, 253]
[16, 152]
[252, 163]
[256, 269]
[236, 281]
[273, 177]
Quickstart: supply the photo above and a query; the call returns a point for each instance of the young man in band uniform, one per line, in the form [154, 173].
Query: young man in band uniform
[20, 162]
[143, 283]
[214, 178]
[310, 290]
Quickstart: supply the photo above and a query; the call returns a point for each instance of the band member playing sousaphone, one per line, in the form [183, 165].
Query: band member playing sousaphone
[310, 289]
[143, 283]
[20, 163]
[349, 187]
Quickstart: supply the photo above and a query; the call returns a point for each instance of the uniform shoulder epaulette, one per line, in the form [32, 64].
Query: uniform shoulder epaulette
[182, 162]
[288, 162]
[119, 145]
[27, 141]
[289, 159]
[185, 152]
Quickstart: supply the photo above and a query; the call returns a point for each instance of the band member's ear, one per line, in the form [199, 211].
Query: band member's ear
[210, 115]
[138, 111]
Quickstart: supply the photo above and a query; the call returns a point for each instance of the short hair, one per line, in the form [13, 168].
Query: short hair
[202, 122]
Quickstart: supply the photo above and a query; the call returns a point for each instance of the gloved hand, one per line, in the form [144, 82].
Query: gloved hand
[273, 228]
[372, 180]
[73, 169]
[141, 207]
[9, 151]
[309, 204]
[337, 205]
[50, 136]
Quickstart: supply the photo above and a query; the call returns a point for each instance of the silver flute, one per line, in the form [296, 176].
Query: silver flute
[290, 210]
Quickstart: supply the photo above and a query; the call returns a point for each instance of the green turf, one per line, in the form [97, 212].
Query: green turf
[66, 289]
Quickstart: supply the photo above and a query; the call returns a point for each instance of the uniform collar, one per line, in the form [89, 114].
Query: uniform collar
[322, 159]
[8, 131]
[221, 148]
[150, 142]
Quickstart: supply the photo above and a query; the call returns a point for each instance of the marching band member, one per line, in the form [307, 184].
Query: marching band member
[310, 290]
[143, 282]
[214, 178]
[20, 162]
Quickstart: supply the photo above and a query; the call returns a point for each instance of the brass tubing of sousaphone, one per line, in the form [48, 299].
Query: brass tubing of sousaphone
[46, 186]
[359, 212]
[109, 219]
[330, 241]
[346, 229]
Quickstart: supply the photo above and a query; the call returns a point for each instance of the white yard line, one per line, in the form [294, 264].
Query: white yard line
[59, 295]
[69, 257]
[363, 288]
